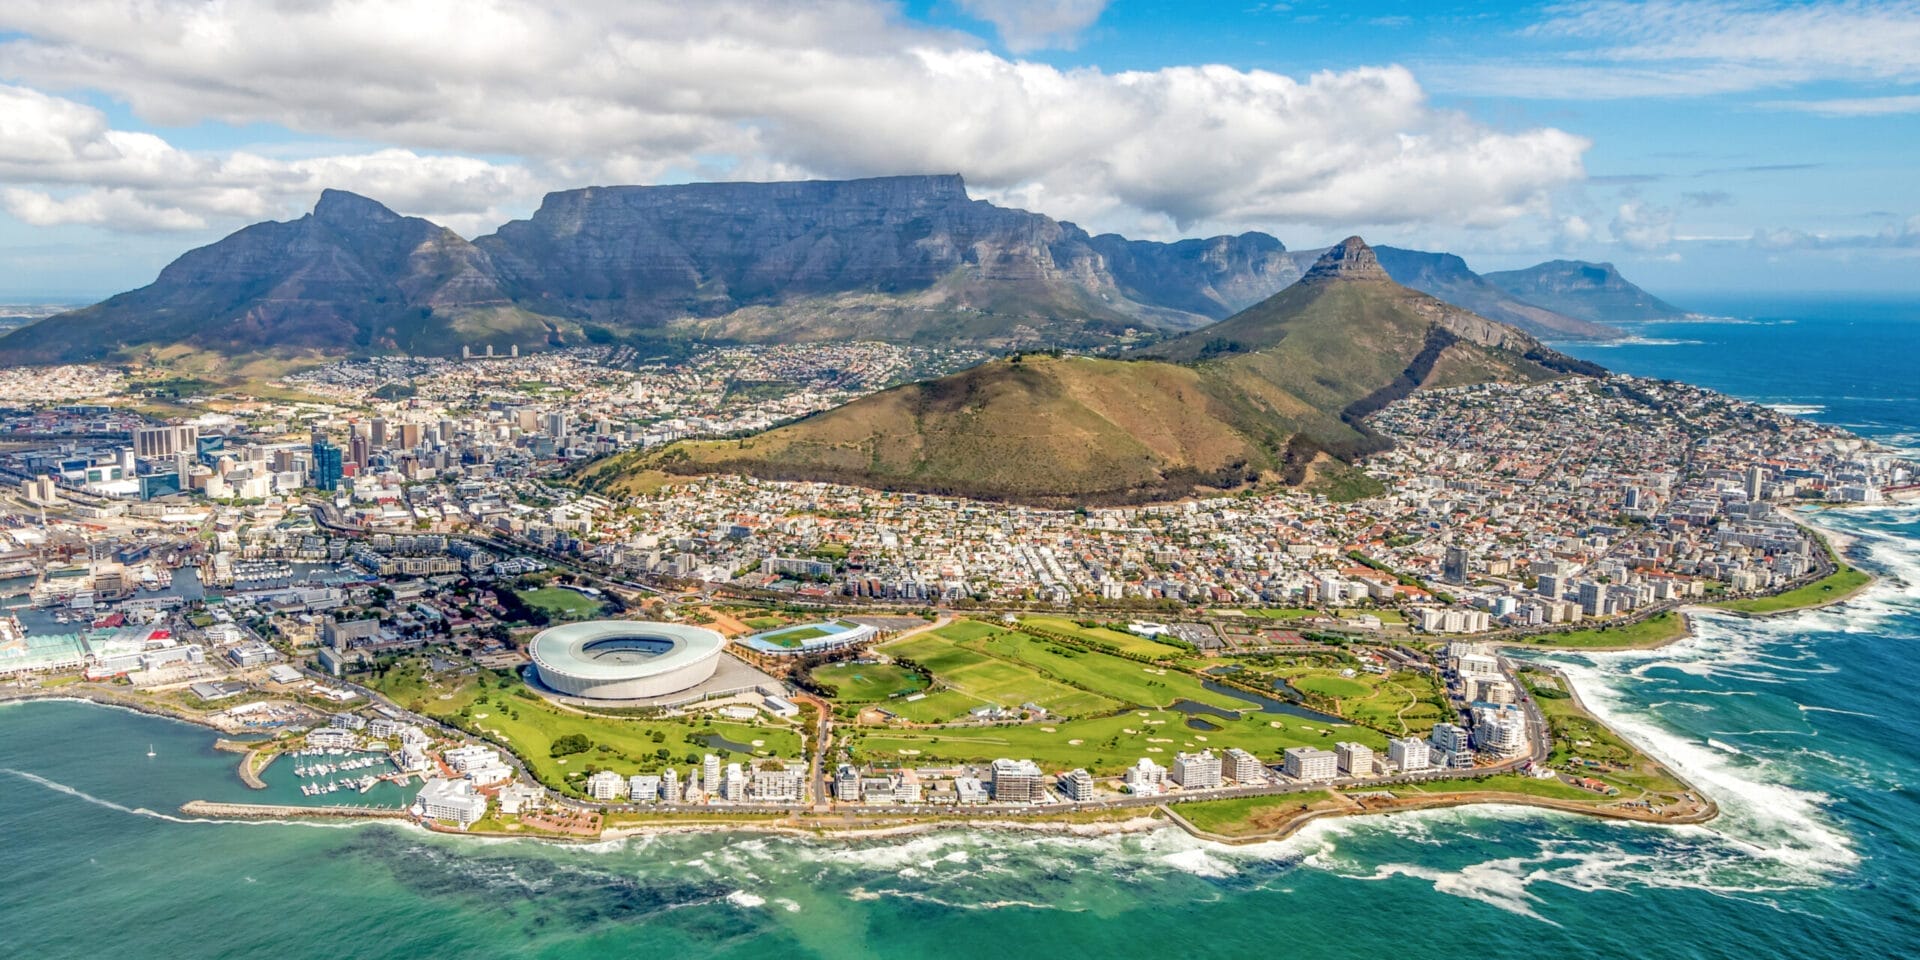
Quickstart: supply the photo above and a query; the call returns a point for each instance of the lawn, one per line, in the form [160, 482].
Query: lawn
[1127, 681]
[1836, 586]
[529, 727]
[797, 636]
[1584, 746]
[940, 706]
[1246, 816]
[1124, 642]
[562, 603]
[1337, 687]
[1651, 632]
[985, 679]
[1401, 702]
[763, 623]
[869, 682]
[1554, 789]
[1106, 745]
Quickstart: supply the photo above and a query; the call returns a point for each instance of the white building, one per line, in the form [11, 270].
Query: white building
[1146, 777]
[1243, 767]
[1452, 747]
[643, 787]
[1408, 754]
[1310, 763]
[1017, 781]
[1196, 771]
[1356, 759]
[606, 785]
[1077, 785]
[454, 800]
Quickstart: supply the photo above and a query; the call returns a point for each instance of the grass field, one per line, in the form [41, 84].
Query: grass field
[561, 603]
[763, 623]
[980, 678]
[1582, 745]
[1401, 702]
[1124, 642]
[869, 682]
[1246, 816]
[1106, 745]
[1337, 687]
[797, 636]
[1128, 681]
[1651, 632]
[1506, 783]
[529, 727]
[1835, 586]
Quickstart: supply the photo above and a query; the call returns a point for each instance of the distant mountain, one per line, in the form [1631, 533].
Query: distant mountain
[898, 258]
[1274, 394]
[1446, 276]
[352, 276]
[902, 259]
[1590, 291]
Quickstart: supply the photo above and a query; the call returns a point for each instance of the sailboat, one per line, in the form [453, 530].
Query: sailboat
[150, 752]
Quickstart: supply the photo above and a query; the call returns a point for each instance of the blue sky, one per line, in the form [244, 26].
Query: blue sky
[1702, 145]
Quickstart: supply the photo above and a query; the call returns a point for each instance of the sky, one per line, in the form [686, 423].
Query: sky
[1704, 146]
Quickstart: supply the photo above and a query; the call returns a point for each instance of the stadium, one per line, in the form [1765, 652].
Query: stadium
[803, 638]
[624, 659]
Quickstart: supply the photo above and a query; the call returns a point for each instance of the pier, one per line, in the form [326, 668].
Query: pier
[272, 811]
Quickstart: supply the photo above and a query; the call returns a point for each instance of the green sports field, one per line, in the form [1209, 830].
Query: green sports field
[869, 682]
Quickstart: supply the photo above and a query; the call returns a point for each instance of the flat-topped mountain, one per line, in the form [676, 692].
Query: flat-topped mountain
[1268, 395]
[903, 259]
[899, 258]
[1591, 291]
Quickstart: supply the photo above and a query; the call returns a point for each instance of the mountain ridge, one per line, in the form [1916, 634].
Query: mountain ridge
[1262, 397]
[906, 259]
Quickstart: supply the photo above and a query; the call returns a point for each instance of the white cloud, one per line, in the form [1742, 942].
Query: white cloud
[62, 163]
[613, 91]
[1895, 236]
[1685, 48]
[1037, 24]
[1642, 226]
[1852, 106]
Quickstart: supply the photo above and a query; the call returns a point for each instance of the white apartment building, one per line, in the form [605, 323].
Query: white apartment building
[1197, 771]
[1310, 763]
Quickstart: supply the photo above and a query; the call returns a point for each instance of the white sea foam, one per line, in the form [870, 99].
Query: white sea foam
[741, 898]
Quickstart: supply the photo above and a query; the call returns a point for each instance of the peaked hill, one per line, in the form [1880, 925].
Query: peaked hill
[1265, 396]
[352, 276]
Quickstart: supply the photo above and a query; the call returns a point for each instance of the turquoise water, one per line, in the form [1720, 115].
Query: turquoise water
[1800, 727]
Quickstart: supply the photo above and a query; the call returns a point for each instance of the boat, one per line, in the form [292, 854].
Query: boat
[150, 752]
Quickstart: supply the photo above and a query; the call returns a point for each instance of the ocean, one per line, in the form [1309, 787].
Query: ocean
[1800, 727]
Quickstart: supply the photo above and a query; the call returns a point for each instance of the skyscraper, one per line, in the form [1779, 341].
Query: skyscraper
[1456, 565]
[327, 464]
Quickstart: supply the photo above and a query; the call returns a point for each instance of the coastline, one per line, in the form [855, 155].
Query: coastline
[1156, 817]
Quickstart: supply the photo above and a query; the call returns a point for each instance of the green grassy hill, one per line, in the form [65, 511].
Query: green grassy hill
[1259, 397]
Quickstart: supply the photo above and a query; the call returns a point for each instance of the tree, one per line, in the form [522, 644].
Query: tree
[570, 744]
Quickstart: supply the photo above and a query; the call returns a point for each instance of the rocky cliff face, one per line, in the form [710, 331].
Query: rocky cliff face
[1590, 291]
[648, 255]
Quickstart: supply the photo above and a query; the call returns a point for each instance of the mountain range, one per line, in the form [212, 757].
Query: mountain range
[906, 259]
[1276, 393]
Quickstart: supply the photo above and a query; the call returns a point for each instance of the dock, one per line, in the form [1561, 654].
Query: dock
[272, 811]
